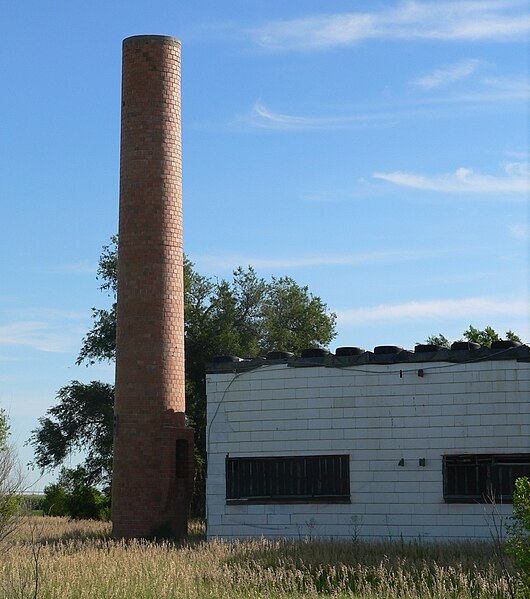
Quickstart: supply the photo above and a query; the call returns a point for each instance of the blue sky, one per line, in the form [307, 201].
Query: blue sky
[376, 151]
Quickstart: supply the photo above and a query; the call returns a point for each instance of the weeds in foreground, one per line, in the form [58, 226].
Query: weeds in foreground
[78, 559]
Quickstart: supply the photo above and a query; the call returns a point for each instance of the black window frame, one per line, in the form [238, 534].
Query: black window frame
[481, 478]
[288, 479]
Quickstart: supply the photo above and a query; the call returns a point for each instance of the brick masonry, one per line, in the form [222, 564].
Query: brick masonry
[377, 417]
[153, 450]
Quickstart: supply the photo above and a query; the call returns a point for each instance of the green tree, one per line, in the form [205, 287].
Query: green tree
[294, 319]
[518, 544]
[81, 420]
[71, 496]
[487, 335]
[99, 344]
[484, 336]
[245, 316]
[440, 340]
[10, 482]
[55, 500]
[4, 429]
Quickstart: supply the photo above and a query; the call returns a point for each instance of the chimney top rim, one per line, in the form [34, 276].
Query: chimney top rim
[151, 39]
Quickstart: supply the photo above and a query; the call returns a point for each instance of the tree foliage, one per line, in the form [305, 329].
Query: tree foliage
[4, 430]
[81, 420]
[519, 534]
[294, 319]
[484, 337]
[71, 496]
[100, 342]
[245, 316]
[10, 482]
[440, 340]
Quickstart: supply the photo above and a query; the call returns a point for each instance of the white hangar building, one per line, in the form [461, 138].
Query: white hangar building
[384, 444]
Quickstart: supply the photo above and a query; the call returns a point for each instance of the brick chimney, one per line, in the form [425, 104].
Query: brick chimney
[153, 449]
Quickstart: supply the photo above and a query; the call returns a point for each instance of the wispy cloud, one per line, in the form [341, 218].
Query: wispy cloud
[48, 314]
[361, 189]
[82, 267]
[37, 335]
[264, 118]
[44, 329]
[448, 74]
[455, 20]
[232, 261]
[471, 307]
[490, 90]
[487, 92]
[520, 155]
[520, 231]
[516, 180]
[508, 85]
[4, 358]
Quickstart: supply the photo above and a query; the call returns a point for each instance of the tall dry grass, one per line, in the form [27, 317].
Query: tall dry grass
[78, 559]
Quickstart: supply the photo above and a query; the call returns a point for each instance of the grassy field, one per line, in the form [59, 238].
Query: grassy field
[57, 558]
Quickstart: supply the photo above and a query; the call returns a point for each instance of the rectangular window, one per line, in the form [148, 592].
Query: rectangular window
[479, 478]
[288, 479]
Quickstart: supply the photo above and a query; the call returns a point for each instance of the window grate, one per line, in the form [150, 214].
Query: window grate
[472, 478]
[285, 479]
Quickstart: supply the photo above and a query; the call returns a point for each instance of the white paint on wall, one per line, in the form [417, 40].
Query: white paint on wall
[377, 418]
